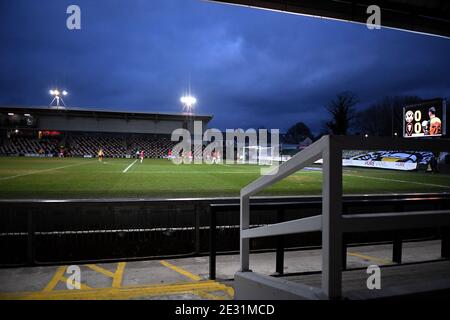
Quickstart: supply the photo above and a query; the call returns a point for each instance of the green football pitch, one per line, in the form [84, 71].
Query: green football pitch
[55, 178]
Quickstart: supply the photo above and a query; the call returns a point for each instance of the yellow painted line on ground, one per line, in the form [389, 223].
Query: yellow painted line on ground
[365, 257]
[100, 270]
[229, 291]
[119, 293]
[81, 285]
[54, 281]
[206, 295]
[118, 275]
[180, 271]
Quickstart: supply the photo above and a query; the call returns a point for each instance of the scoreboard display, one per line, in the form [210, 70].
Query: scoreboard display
[426, 119]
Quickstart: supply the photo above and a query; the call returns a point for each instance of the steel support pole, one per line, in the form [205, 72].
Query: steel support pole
[332, 221]
[244, 224]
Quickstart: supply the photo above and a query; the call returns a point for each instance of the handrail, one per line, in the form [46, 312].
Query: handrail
[307, 224]
[302, 159]
[395, 220]
[332, 222]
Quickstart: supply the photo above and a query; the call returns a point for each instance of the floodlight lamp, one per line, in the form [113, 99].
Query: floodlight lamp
[188, 100]
[57, 96]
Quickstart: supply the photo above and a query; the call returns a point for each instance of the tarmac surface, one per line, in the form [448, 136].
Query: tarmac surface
[185, 278]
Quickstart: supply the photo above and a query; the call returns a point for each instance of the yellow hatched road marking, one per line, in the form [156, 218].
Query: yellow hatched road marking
[118, 293]
[206, 295]
[229, 291]
[180, 271]
[118, 275]
[82, 285]
[54, 281]
[204, 289]
[100, 270]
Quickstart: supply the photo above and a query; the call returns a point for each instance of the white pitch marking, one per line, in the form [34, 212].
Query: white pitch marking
[40, 171]
[126, 169]
[188, 172]
[401, 181]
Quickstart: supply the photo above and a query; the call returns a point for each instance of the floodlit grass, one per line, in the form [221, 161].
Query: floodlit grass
[56, 178]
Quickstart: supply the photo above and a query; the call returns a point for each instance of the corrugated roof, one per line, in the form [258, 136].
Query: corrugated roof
[90, 111]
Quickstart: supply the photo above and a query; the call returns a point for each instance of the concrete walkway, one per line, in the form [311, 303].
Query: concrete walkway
[179, 278]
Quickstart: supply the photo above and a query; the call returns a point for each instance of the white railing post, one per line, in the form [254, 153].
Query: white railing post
[332, 220]
[244, 242]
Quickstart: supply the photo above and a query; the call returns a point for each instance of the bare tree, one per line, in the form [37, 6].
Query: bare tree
[385, 117]
[342, 113]
[298, 132]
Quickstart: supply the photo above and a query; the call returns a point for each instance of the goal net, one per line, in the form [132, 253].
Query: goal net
[260, 155]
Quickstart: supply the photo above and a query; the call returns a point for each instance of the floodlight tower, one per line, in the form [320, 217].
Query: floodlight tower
[57, 96]
[188, 102]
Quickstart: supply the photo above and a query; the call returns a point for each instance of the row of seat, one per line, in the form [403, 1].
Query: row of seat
[73, 145]
[24, 145]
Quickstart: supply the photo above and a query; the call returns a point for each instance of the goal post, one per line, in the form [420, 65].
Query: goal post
[260, 155]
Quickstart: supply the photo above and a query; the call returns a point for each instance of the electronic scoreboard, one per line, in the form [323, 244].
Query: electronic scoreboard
[425, 119]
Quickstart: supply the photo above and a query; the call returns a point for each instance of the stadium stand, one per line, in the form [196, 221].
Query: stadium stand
[154, 146]
[116, 145]
[27, 145]
[88, 144]
[43, 131]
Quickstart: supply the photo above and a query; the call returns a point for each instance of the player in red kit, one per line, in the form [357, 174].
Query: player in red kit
[141, 155]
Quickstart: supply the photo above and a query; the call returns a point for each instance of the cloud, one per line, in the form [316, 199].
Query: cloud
[247, 67]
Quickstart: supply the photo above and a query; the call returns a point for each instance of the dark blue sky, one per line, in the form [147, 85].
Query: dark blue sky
[247, 67]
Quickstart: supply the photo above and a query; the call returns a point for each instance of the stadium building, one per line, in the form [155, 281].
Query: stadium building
[347, 228]
[44, 131]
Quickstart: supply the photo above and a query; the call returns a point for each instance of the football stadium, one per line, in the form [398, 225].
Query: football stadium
[42, 153]
[108, 203]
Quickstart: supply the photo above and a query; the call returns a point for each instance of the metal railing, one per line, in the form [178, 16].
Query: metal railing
[332, 222]
[41, 232]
